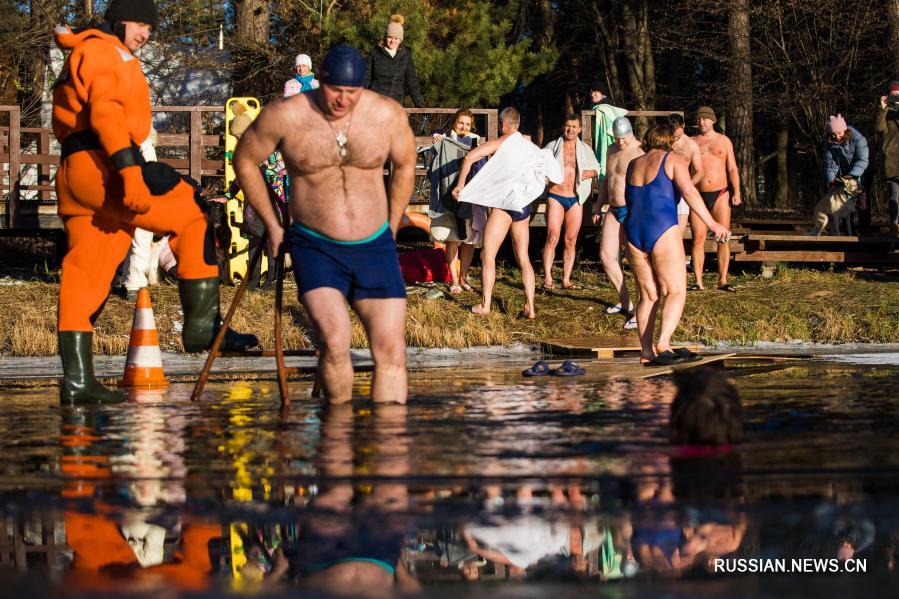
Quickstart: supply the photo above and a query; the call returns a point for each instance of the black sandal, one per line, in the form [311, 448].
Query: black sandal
[687, 355]
[666, 358]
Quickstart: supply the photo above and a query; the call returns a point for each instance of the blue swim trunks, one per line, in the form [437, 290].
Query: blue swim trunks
[566, 202]
[519, 215]
[364, 269]
[619, 212]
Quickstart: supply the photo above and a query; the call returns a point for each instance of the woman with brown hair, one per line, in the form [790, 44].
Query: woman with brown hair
[654, 241]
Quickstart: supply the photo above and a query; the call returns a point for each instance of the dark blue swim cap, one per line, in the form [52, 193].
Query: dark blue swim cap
[343, 65]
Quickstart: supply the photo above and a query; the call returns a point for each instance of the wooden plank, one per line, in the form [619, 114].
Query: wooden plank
[601, 347]
[817, 256]
[654, 371]
[812, 239]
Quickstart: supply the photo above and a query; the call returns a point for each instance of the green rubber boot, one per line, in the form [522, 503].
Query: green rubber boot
[202, 319]
[78, 383]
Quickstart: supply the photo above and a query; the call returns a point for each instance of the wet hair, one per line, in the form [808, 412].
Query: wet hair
[659, 137]
[460, 113]
[706, 409]
[572, 117]
[510, 116]
[675, 120]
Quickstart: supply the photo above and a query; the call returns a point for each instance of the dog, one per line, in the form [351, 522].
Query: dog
[837, 206]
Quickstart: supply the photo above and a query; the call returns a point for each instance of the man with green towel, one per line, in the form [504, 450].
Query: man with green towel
[602, 123]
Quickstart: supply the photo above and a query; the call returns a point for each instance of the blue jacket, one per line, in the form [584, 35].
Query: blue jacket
[847, 158]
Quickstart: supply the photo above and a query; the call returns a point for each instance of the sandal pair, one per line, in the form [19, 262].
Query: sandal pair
[566, 368]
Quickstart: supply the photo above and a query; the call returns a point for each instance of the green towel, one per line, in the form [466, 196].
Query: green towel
[602, 132]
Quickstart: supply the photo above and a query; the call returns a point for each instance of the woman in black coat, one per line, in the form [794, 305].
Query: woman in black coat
[389, 68]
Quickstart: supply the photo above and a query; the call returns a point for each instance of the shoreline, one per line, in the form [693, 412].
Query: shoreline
[48, 368]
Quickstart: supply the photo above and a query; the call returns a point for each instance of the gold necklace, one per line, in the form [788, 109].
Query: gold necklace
[341, 136]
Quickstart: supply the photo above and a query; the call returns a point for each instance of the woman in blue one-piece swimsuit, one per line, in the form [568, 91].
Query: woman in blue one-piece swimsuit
[655, 243]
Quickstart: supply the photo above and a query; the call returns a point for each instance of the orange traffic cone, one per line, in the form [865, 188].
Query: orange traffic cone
[143, 366]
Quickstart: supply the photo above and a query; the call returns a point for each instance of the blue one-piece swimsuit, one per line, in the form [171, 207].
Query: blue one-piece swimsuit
[651, 209]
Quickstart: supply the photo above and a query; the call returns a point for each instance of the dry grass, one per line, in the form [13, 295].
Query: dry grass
[797, 304]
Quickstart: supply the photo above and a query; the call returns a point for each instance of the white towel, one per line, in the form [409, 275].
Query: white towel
[513, 177]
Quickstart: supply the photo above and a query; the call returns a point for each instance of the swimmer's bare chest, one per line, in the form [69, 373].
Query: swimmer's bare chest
[340, 194]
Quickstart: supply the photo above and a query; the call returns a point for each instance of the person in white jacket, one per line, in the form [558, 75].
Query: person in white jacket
[565, 200]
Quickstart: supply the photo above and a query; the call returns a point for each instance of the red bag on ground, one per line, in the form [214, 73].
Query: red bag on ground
[424, 266]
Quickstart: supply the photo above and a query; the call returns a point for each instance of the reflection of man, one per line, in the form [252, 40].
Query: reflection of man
[611, 190]
[719, 188]
[335, 141]
[355, 546]
[101, 116]
[565, 200]
[687, 149]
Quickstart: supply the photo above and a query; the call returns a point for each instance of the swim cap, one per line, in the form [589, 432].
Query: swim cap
[343, 65]
[621, 127]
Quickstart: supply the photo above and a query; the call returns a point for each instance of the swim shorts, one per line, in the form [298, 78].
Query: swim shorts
[566, 202]
[525, 213]
[619, 212]
[710, 197]
[364, 269]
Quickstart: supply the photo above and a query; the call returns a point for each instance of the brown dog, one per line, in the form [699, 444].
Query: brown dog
[837, 205]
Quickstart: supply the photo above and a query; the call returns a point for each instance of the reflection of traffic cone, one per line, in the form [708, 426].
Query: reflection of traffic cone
[143, 367]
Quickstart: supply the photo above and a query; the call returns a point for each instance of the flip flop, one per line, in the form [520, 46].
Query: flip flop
[687, 355]
[568, 368]
[695, 287]
[573, 287]
[455, 290]
[549, 287]
[727, 287]
[467, 287]
[540, 368]
[614, 309]
[631, 324]
[666, 358]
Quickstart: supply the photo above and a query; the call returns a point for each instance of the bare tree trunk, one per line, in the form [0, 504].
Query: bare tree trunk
[638, 53]
[251, 30]
[782, 197]
[741, 94]
[893, 11]
[607, 38]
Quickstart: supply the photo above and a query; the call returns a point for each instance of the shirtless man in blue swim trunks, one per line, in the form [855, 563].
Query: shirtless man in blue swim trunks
[719, 188]
[654, 241]
[335, 141]
[501, 222]
[611, 191]
[565, 200]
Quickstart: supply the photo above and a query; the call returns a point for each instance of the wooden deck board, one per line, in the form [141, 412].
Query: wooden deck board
[600, 347]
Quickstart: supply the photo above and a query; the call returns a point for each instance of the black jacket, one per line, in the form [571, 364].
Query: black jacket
[393, 75]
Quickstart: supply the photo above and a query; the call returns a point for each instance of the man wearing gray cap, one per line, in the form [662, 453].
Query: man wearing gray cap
[611, 190]
[719, 188]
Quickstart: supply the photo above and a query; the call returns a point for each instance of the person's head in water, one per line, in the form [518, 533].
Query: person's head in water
[509, 120]
[132, 21]
[706, 409]
[341, 74]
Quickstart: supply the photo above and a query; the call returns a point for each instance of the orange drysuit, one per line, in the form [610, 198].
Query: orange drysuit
[102, 101]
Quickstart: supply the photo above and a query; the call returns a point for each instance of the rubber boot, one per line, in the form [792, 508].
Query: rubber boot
[79, 386]
[202, 319]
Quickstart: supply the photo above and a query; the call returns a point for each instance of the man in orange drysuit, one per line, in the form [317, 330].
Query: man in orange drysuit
[101, 115]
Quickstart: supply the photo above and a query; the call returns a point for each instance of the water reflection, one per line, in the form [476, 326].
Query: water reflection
[531, 484]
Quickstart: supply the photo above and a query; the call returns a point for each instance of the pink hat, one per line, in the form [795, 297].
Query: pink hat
[836, 124]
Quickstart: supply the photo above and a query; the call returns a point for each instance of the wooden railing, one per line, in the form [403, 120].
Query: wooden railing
[40, 212]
